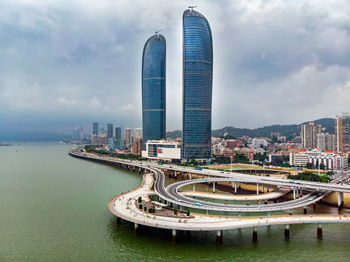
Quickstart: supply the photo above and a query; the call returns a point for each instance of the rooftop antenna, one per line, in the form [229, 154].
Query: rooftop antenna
[157, 32]
[191, 7]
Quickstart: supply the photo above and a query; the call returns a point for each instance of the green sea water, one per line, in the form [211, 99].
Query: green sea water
[54, 208]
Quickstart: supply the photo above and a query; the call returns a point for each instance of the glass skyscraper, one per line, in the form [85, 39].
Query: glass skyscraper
[153, 89]
[197, 86]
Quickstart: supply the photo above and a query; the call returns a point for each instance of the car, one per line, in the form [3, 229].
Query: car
[197, 204]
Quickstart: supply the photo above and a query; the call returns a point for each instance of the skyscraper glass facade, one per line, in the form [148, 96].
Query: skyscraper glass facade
[153, 89]
[95, 128]
[197, 86]
[109, 130]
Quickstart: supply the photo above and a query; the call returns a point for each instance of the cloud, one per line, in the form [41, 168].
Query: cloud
[79, 61]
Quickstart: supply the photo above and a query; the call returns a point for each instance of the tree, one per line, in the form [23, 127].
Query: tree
[309, 165]
[140, 206]
[188, 213]
[175, 211]
[139, 199]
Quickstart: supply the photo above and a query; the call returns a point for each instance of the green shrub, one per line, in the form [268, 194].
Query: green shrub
[140, 206]
[188, 213]
[175, 211]
[139, 199]
[145, 209]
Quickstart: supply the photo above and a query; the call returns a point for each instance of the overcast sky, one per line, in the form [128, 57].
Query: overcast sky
[65, 63]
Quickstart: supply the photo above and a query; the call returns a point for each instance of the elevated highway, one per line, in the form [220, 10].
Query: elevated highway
[171, 194]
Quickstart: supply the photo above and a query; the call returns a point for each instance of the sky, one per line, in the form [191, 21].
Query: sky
[68, 63]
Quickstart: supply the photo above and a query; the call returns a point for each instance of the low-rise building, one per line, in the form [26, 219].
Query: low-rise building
[276, 159]
[330, 160]
[99, 139]
[162, 149]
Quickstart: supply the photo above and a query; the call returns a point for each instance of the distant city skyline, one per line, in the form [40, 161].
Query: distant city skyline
[276, 62]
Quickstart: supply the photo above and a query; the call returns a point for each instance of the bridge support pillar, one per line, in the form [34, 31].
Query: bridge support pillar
[286, 232]
[293, 193]
[136, 228]
[267, 188]
[319, 231]
[234, 187]
[173, 236]
[268, 214]
[194, 187]
[213, 187]
[255, 234]
[239, 185]
[257, 189]
[340, 199]
[262, 188]
[190, 176]
[290, 212]
[219, 237]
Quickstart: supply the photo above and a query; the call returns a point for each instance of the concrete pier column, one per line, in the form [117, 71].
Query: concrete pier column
[319, 231]
[190, 176]
[286, 232]
[340, 199]
[213, 187]
[301, 192]
[255, 234]
[268, 214]
[173, 236]
[234, 187]
[136, 228]
[257, 189]
[239, 185]
[293, 193]
[267, 188]
[219, 237]
[290, 212]
[194, 187]
[297, 192]
[262, 188]
[207, 212]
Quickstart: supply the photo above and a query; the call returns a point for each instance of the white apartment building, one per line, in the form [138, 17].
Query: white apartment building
[330, 159]
[162, 149]
[325, 142]
[309, 134]
[259, 142]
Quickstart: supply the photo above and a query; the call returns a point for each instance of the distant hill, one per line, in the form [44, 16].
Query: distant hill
[289, 131]
[16, 135]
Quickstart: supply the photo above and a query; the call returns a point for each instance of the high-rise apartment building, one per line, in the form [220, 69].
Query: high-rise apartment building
[118, 133]
[309, 134]
[109, 130]
[128, 137]
[197, 86]
[153, 88]
[325, 142]
[95, 128]
[342, 132]
[77, 133]
[137, 133]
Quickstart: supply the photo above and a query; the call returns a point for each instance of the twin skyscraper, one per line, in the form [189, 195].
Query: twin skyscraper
[197, 87]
